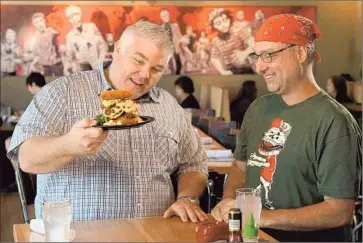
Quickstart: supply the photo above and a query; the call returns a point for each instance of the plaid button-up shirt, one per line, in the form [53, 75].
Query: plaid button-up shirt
[129, 175]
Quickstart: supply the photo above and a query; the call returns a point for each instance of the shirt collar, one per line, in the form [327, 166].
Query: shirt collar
[153, 94]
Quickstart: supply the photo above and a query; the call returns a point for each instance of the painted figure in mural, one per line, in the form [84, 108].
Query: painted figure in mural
[229, 49]
[110, 46]
[10, 54]
[84, 41]
[258, 21]
[241, 23]
[29, 60]
[175, 34]
[69, 65]
[45, 46]
[188, 53]
[203, 49]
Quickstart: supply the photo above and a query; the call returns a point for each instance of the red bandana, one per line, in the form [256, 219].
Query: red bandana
[289, 29]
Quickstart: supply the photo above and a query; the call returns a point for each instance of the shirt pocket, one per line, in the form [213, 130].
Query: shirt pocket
[166, 146]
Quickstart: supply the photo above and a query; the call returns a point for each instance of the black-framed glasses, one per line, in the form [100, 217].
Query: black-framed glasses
[266, 57]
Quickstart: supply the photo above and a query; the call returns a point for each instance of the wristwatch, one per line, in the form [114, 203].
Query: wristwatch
[192, 199]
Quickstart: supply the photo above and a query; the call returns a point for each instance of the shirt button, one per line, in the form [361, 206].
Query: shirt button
[136, 151]
[137, 177]
[171, 133]
[138, 204]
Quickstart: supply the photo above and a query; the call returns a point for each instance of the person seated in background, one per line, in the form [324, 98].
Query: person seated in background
[184, 89]
[337, 88]
[34, 82]
[243, 100]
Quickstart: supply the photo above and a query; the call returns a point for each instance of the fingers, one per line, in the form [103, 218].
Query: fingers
[182, 213]
[217, 213]
[225, 216]
[186, 211]
[191, 215]
[97, 133]
[169, 213]
[92, 149]
[200, 214]
[220, 212]
[178, 211]
[85, 123]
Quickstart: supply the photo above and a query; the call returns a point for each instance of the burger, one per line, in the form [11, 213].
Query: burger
[118, 108]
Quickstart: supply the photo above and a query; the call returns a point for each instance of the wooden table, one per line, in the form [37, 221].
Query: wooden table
[132, 230]
[222, 167]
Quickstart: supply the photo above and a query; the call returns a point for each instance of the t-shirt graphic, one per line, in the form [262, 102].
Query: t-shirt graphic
[272, 143]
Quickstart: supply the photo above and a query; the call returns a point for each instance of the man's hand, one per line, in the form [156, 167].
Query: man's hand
[220, 212]
[186, 210]
[83, 139]
[226, 72]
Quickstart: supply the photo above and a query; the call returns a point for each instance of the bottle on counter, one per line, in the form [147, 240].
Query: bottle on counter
[250, 231]
[235, 225]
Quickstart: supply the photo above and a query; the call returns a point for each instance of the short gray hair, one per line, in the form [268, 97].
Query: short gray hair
[152, 31]
[311, 53]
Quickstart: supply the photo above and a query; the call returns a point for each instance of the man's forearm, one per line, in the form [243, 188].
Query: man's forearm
[319, 216]
[218, 65]
[235, 180]
[192, 184]
[43, 154]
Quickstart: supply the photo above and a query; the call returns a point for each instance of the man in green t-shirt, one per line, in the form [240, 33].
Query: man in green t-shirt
[297, 145]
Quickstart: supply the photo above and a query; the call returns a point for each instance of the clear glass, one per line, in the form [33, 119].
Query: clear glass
[5, 113]
[249, 201]
[57, 219]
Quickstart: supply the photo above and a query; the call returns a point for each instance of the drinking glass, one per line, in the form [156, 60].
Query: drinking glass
[249, 201]
[57, 219]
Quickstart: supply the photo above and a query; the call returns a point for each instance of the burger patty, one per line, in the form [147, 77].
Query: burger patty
[115, 94]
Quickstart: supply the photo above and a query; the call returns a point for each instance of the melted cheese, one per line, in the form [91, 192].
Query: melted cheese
[119, 107]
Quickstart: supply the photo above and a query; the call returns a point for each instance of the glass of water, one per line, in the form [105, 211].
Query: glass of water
[249, 201]
[57, 219]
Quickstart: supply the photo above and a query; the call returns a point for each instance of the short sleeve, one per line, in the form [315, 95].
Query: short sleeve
[44, 116]
[192, 154]
[339, 166]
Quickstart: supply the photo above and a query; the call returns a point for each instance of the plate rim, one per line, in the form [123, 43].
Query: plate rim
[127, 126]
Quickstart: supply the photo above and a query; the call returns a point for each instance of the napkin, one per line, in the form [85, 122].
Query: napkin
[37, 225]
[206, 140]
[219, 153]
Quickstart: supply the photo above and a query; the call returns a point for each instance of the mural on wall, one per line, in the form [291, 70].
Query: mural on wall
[61, 39]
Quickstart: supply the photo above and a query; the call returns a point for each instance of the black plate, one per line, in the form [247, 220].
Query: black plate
[145, 120]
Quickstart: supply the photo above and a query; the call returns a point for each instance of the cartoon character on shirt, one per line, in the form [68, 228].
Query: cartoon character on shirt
[272, 144]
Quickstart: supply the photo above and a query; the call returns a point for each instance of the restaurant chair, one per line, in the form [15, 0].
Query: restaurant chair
[204, 123]
[198, 113]
[232, 125]
[21, 190]
[215, 126]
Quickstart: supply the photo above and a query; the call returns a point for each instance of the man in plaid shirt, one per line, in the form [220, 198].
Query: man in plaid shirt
[115, 174]
[230, 48]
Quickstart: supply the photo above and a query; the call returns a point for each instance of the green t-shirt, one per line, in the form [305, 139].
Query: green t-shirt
[298, 154]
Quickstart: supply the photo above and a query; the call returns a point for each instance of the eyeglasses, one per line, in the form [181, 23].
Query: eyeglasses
[266, 57]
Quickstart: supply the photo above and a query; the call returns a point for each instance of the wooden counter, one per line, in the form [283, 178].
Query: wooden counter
[132, 230]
